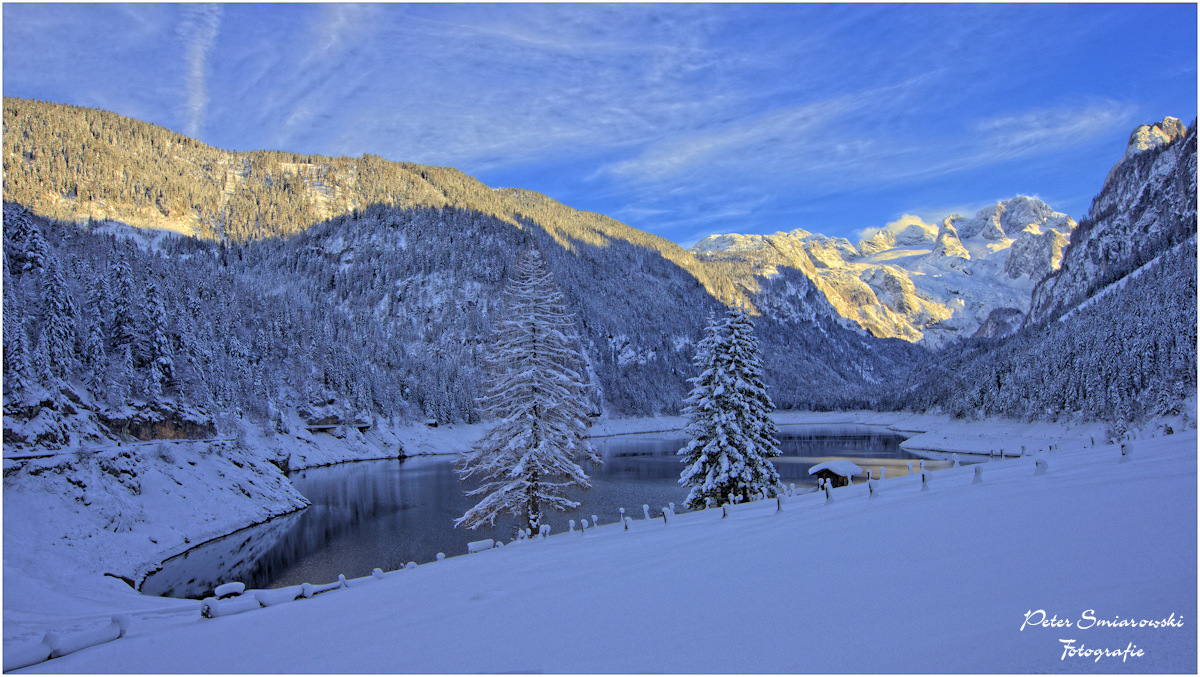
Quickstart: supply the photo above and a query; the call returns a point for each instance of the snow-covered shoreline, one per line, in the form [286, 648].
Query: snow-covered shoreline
[1091, 534]
[54, 567]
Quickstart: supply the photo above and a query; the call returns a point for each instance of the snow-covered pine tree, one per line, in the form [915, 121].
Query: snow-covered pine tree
[16, 342]
[732, 435]
[123, 330]
[160, 368]
[58, 320]
[529, 457]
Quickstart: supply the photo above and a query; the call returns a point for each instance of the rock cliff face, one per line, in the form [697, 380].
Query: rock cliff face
[1147, 206]
[1110, 335]
[1010, 218]
[1002, 322]
[913, 280]
[1155, 136]
[1035, 255]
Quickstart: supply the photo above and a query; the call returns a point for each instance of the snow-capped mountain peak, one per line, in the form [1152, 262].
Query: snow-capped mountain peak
[915, 280]
[1157, 135]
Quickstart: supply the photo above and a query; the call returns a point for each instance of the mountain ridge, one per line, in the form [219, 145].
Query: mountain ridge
[914, 280]
[79, 164]
[1111, 335]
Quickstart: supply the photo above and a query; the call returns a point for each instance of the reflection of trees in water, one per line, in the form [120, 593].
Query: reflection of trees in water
[241, 556]
[386, 513]
[363, 515]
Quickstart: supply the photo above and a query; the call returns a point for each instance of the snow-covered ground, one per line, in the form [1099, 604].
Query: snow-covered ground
[908, 581]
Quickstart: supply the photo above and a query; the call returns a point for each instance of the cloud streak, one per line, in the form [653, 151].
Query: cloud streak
[761, 117]
[198, 28]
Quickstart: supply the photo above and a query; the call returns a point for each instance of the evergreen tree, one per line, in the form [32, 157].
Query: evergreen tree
[728, 408]
[120, 380]
[94, 358]
[58, 320]
[17, 370]
[528, 458]
[123, 332]
[36, 250]
[160, 363]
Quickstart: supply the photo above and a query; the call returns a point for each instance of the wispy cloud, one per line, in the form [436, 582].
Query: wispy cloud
[198, 29]
[746, 117]
[1047, 130]
[339, 25]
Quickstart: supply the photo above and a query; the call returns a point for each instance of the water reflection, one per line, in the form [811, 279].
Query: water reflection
[386, 513]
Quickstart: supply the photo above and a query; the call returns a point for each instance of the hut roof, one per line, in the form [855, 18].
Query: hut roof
[841, 468]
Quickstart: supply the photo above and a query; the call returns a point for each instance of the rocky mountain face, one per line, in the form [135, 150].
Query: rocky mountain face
[913, 280]
[1111, 334]
[1147, 205]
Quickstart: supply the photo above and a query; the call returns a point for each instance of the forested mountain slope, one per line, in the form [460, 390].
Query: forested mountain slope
[1111, 335]
[75, 164]
[361, 290]
[379, 313]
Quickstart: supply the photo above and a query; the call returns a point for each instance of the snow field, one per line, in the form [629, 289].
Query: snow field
[910, 581]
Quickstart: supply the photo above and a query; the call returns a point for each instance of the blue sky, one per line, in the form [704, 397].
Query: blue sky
[681, 120]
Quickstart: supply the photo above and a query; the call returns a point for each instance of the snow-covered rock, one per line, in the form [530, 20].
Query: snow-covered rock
[911, 279]
[916, 235]
[1001, 322]
[1147, 206]
[1008, 218]
[1155, 136]
[1035, 255]
[948, 244]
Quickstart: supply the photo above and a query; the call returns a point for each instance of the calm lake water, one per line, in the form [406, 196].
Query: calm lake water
[387, 513]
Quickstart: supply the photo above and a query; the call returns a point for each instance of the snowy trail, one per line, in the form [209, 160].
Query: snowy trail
[910, 581]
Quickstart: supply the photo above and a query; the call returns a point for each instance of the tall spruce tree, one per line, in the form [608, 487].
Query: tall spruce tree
[58, 320]
[732, 435]
[17, 370]
[529, 457]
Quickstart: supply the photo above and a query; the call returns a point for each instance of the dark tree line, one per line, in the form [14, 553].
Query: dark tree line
[382, 311]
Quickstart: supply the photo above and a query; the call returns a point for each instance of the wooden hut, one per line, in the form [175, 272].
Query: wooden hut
[837, 473]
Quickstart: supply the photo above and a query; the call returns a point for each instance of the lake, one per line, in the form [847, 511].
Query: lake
[384, 514]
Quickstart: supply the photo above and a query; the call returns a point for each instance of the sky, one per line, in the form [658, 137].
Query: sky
[681, 120]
